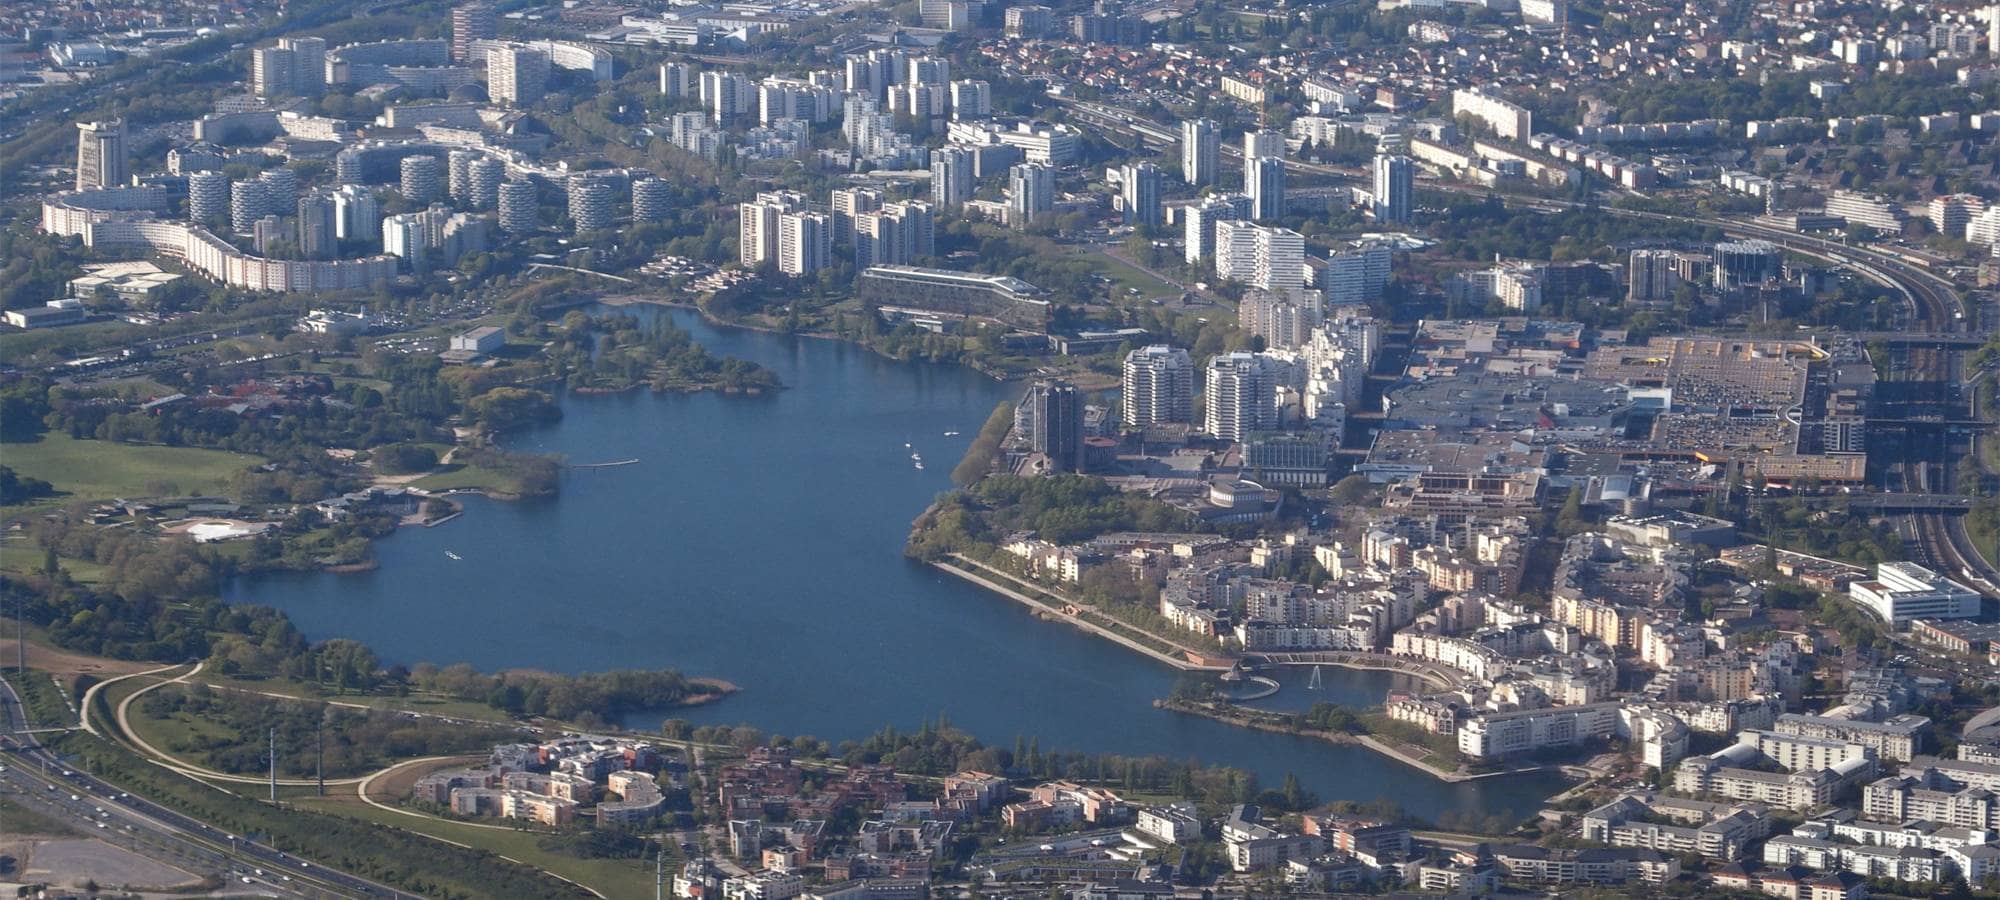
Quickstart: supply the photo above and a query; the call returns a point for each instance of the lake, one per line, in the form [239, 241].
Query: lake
[759, 540]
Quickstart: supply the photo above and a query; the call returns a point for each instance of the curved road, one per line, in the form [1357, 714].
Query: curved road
[122, 714]
[202, 840]
[362, 783]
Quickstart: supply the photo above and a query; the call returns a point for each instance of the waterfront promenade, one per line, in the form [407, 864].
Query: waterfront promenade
[1088, 620]
[1194, 659]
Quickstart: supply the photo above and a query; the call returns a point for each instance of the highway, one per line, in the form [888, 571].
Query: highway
[1935, 307]
[31, 769]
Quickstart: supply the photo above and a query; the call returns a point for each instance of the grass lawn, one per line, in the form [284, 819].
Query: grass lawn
[613, 877]
[1124, 274]
[460, 475]
[21, 556]
[102, 470]
[22, 822]
[21, 344]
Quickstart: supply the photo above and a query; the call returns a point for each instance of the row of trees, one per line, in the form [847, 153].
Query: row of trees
[1066, 509]
[599, 695]
[940, 748]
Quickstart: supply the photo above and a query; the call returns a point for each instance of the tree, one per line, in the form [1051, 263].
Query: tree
[979, 457]
[1351, 491]
[404, 459]
[1570, 520]
[509, 408]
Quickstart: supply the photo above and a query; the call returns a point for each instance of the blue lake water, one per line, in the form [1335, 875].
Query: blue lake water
[759, 540]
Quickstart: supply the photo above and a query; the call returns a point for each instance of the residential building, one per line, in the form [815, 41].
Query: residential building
[1899, 737]
[1157, 387]
[1515, 286]
[894, 235]
[1269, 258]
[1055, 409]
[971, 99]
[1881, 214]
[483, 177]
[679, 79]
[102, 159]
[1616, 866]
[1891, 863]
[591, 202]
[1265, 182]
[247, 204]
[847, 204]
[1950, 214]
[1670, 825]
[316, 227]
[952, 178]
[1241, 392]
[1524, 731]
[651, 199]
[1258, 145]
[273, 72]
[1357, 273]
[1139, 187]
[805, 242]
[729, 96]
[1394, 187]
[470, 22]
[1031, 193]
[1201, 151]
[422, 179]
[758, 225]
[1284, 320]
[1504, 119]
[1199, 223]
[1930, 795]
[308, 64]
[1175, 823]
[518, 206]
[1653, 276]
[208, 197]
[1029, 21]
[516, 75]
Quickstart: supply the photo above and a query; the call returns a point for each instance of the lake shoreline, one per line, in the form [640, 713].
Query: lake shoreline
[1258, 720]
[1237, 715]
[718, 322]
[732, 543]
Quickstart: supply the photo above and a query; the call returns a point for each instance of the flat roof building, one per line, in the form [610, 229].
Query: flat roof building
[1001, 298]
[1902, 592]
